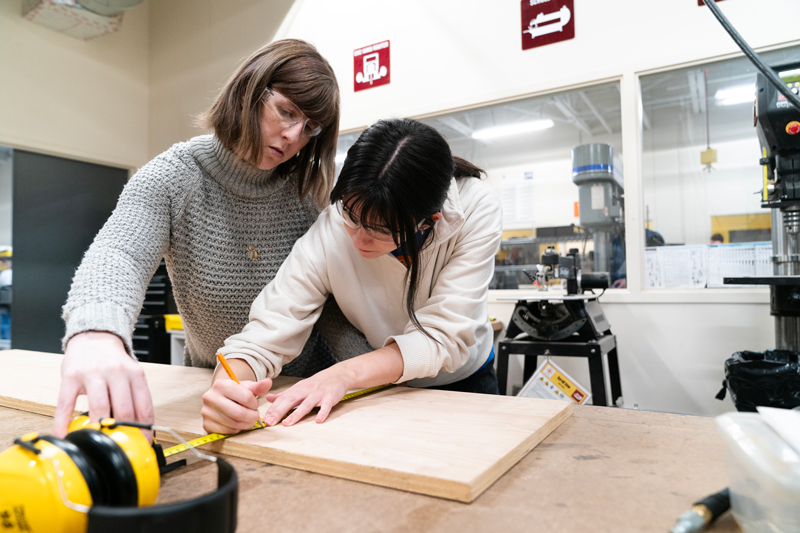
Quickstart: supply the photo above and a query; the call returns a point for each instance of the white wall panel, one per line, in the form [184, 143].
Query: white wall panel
[671, 355]
[81, 99]
[195, 46]
[452, 53]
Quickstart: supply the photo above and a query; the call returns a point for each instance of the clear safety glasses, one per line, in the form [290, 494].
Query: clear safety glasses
[384, 236]
[289, 115]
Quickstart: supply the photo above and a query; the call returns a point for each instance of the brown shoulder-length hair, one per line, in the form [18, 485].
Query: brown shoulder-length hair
[295, 69]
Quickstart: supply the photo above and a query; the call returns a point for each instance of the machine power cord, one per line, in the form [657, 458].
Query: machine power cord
[750, 53]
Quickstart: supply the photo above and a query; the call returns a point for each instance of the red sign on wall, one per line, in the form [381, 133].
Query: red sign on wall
[371, 66]
[547, 22]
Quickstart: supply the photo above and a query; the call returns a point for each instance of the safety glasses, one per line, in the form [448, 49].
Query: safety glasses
[288, 115]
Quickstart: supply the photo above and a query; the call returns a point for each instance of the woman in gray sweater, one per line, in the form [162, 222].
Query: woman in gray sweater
[223, 210]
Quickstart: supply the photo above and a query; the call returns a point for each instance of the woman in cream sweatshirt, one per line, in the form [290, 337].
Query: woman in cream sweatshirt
[407, 248]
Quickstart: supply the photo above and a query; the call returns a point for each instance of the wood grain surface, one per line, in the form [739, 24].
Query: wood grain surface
[602, 471]
[446, 444]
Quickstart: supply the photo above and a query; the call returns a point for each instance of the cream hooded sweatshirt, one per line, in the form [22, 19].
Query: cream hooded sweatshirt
[451, 302]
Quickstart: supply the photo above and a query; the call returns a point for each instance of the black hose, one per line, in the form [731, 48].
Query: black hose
[717, 503]
[750, 53]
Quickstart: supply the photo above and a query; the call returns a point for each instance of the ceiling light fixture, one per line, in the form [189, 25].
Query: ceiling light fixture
[741, 94]
[513, 129]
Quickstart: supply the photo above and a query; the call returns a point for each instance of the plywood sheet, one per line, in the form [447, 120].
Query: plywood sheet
[447, 444]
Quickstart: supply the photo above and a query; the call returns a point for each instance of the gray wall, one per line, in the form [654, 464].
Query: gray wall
[5, 196]
[59, 206]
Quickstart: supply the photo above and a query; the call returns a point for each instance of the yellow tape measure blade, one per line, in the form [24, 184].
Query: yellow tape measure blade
[212, 437]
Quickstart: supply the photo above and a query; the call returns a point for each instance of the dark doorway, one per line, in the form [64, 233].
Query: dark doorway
[59, 205]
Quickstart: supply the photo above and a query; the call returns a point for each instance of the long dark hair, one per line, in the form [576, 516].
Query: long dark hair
[396, 177]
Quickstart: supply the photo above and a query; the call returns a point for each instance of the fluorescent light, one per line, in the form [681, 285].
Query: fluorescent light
[512, 129]
[340, 157]
[740, 94]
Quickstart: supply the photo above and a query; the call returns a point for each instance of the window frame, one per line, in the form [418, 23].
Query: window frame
[629, 80]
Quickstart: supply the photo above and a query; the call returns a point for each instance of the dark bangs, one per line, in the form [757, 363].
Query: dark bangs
[395, 177]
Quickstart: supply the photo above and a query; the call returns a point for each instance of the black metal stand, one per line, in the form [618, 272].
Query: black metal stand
[532, 350]
[589, 341]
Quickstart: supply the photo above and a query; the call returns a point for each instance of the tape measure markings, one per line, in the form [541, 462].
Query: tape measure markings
[213, 437]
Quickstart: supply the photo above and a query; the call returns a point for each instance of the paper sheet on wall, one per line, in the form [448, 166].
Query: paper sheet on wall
[738, 259]
[695, 267]
[517, 198]
[676, 267]
[598, 197]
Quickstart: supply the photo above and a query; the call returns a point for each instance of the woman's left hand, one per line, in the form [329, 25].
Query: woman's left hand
[327, 388]
[324, 390]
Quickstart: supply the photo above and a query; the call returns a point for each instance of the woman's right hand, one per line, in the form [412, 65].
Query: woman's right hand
[96, 364]
[230, 407]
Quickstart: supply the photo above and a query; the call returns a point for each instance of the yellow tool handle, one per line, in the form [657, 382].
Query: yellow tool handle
[212, 437]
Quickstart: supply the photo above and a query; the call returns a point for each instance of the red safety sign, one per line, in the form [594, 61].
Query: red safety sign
[371, 66]
[547, 22]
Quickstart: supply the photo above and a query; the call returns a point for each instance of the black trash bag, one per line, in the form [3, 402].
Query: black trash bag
[770, 379]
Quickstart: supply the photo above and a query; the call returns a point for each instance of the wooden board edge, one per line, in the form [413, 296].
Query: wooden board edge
[429, 486]
[29, 407]
[420, 484]
[485, 480]
[33, 407]
[393, 479]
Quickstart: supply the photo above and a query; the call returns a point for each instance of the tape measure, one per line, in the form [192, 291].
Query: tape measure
[213, 437]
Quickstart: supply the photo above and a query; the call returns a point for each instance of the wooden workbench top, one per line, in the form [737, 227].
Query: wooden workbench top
[602, 470]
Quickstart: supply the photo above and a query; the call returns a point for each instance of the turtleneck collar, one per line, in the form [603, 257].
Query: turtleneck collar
[236, 176]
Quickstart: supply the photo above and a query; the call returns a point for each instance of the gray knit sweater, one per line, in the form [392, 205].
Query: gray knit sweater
[200, 209]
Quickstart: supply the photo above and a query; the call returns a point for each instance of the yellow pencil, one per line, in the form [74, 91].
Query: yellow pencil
[229, 370]
[227, 367]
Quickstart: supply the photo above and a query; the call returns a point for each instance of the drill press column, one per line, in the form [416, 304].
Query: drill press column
[600, 186]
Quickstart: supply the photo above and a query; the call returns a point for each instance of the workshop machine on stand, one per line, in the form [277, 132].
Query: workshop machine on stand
[771, 381]
[570, 324]
[600, 194]
[778, 125]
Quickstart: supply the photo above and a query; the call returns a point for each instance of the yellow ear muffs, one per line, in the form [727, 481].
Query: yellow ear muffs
[111, 464]
[100, 478]
[125, 461]
[48, 484]
[142, 457]
[36, 477]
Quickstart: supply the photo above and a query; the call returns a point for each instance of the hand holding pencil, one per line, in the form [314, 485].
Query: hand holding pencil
[231, 405]
[232, 375]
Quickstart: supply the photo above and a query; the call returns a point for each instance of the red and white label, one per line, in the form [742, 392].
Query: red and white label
[547, 22]
[371, 66]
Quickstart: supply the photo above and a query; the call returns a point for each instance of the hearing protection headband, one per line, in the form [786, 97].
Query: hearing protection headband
[212, 512]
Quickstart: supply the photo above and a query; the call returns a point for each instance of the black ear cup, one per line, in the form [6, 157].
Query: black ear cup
[88, 471]
[112, 466]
